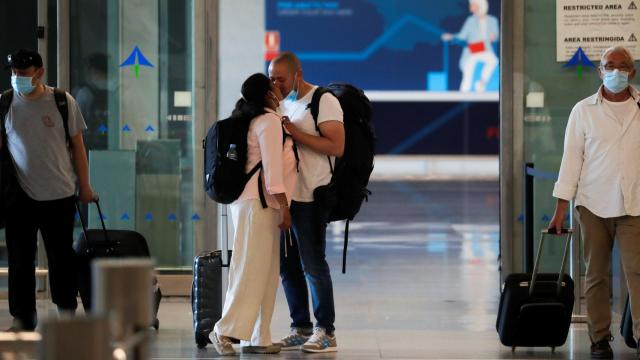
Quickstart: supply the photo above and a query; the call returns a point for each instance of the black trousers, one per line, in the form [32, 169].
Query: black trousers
[55, 221]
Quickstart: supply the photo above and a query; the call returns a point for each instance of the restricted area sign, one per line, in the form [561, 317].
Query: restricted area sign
[595, 25]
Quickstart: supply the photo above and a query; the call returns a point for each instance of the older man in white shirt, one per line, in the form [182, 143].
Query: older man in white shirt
[601, 170]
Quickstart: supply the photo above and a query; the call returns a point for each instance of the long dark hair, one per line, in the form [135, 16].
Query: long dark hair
[253, 100]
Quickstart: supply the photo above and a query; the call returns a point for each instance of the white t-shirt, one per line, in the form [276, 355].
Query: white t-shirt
[314, 167]
[622, 111]
[38, 145]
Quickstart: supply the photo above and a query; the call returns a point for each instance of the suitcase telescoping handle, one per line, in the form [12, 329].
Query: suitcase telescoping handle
[569, 234]
[84, 222]
[224, 256]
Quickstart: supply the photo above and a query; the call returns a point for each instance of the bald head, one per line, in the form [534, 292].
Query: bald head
[285, 72]
[288, 59]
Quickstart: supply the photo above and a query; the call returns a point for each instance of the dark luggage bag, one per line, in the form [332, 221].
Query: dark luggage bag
[535, 309]
[626, 326]
[206, 289]
[206, 294]
[103, 243]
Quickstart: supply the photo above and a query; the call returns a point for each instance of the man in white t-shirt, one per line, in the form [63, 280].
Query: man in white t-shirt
[306, 262]
[601, 171]
[48, 171]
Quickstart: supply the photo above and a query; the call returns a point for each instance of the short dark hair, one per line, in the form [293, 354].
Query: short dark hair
[290, 59]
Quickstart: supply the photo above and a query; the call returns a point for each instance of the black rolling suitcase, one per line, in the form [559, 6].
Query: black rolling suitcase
[206, 294]
[535, 309]
[206, 289]
[103, 243]
[626, 326]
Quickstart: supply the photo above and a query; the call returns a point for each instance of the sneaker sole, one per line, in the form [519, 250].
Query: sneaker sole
[263, 352]
[291, 348]
[326, 350]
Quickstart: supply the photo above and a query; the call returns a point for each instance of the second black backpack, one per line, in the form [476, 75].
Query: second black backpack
[351, 173]
[225, 159]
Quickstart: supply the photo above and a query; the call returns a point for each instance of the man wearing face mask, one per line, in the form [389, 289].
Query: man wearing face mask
[50, 164]
[600, 170]
[93, 99]
[306, 261]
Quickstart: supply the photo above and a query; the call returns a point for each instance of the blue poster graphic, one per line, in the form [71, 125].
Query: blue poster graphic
[399, 45]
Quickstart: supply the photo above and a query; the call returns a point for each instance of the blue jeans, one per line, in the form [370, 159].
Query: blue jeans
[306, 263]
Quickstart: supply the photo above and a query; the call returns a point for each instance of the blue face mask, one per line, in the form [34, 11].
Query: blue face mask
[22, 84]
[293, 94]
[616, 80]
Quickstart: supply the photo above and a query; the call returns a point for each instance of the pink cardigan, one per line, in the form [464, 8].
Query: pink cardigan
[279, 171]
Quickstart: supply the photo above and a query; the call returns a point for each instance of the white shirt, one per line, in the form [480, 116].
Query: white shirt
[622, 111]
[600, 166]
[314, 167]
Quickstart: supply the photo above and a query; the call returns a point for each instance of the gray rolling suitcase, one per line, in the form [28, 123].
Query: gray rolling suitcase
[535, 309]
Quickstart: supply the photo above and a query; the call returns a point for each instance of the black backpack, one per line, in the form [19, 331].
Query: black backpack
[350, 176]
[7, 168]
[225, 177]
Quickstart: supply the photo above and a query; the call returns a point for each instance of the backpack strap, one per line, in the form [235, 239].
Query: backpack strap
[344, 250]
[314, 107]
[5, 105]
[62, 104]
[253, 171]
[295, 147]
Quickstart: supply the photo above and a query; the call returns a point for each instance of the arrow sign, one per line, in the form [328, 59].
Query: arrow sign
[102, 129]
[136, 59]
[126, 128]
[125, 216]
[172, 217]
[546, 218]
[148, 217]
[579, 60]
[195, 217]
[149, 129]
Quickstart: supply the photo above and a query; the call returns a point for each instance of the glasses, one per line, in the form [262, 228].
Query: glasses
[611, 67]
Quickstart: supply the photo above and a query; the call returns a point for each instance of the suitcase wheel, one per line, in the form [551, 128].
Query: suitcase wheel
[202, 340]
[156, 324]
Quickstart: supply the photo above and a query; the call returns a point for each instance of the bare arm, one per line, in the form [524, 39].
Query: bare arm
[81, 165]
[284, 211]
[330, 142]
[557, 222]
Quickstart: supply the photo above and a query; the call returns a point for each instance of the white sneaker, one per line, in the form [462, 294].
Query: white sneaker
[320, 342]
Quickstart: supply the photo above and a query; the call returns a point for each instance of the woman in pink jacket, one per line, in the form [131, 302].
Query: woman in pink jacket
[255, 264]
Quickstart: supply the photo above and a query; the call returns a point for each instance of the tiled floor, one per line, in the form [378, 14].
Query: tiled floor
[422, 283]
